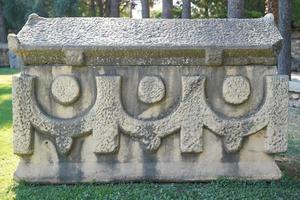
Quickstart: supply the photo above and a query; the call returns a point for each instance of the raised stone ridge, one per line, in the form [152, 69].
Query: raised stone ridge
[115, 33]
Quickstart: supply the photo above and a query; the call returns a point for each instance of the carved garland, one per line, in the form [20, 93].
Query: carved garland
[107, 117]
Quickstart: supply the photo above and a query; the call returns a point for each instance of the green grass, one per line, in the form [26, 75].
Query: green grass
[7, 160]
[287, 188]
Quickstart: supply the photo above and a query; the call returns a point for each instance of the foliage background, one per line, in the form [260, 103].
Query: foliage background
[17, 11]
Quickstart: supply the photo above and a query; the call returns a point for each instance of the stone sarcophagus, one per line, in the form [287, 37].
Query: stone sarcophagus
[102, 100]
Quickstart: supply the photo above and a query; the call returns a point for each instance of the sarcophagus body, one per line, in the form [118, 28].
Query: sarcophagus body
[102, 100]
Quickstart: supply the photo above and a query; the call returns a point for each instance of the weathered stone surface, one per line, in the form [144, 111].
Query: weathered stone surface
[115, 41]
[294, 94]
[294, 86]
[173, 121]
[151, 89]
[236, 89]
[214, 56]
[74, 57]
[105, 33]
[65, 89]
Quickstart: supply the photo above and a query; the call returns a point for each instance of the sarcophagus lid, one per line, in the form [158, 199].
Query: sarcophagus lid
[109, 40]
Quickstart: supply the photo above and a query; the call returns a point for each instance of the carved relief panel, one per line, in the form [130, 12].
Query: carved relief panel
[189, 112]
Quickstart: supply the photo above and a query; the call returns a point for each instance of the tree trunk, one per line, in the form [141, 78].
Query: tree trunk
[114, 8]
[284, 59]
[145, 9]
[271, 6]
[186, 9]
[3, 36]
[167, 9]
[235, 9]
[100, 7]
[106, 8]
[93, 8]
[206, 13]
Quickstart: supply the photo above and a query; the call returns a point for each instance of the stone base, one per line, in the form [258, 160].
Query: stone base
[132, 163]
[160, 172]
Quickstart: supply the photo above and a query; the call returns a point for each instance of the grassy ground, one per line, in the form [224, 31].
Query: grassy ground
[287, 188]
